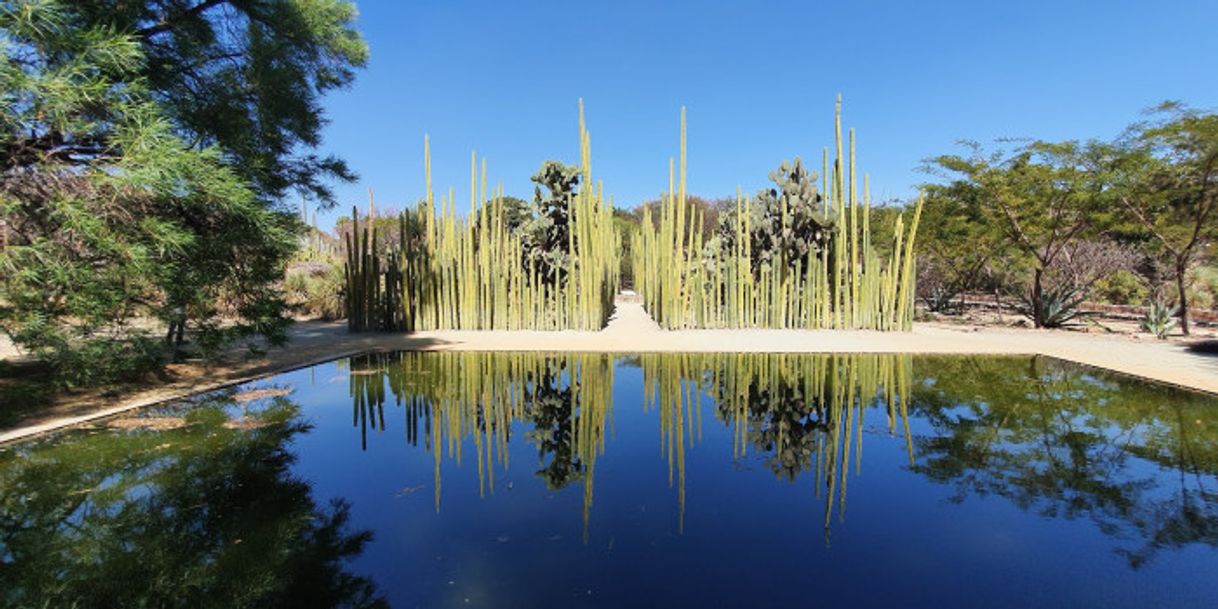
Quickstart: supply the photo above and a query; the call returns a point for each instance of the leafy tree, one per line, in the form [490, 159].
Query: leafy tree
[958, 249]
[110, 214]
[1169, 167]
[1043, 198]
[246, 76]
[707, 209]
[627, 225]
[516, 212]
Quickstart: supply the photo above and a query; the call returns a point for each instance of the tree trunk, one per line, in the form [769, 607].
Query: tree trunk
[1181, 292]
[1038, 295]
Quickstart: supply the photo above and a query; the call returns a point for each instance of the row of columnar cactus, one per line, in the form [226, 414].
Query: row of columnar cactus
[472, 272]
[840, 282]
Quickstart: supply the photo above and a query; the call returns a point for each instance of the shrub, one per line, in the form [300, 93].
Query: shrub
[101, 358]
[937, 287]
[1121, 288]
[315, 290]
[1203, 294]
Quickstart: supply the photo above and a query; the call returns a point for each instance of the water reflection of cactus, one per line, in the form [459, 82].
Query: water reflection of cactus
[1050, 436]
[222, 501]
[805, 412]
[565, 399]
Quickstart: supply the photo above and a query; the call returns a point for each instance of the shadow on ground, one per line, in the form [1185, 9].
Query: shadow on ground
[25, 388]
[1204, 347]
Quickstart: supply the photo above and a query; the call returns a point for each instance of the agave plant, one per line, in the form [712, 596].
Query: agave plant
[1056, 307]
[1160, 320]
[940, 299]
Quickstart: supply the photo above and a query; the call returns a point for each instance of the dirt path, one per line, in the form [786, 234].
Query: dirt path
[631, 329]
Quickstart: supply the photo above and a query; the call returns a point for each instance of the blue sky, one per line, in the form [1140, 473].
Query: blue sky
[759, 81]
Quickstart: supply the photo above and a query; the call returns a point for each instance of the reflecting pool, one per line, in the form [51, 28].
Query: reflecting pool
[655, 480]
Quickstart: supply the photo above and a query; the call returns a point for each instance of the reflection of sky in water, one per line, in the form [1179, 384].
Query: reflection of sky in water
[766, 480]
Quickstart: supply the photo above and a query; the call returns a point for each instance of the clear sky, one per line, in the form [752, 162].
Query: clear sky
[758, 79]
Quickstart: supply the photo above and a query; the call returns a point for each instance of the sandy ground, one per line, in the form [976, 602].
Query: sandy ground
[632, 330]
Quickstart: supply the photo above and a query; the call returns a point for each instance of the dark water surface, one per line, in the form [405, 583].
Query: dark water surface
[683, 480]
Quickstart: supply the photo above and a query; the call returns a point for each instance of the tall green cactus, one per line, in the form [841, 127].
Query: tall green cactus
[793, 257]
[478, 272]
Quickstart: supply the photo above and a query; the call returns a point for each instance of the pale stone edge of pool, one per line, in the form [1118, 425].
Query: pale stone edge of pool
[631, 330]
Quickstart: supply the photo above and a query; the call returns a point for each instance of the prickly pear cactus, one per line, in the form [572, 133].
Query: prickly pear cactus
[546, 235]
[787, 219]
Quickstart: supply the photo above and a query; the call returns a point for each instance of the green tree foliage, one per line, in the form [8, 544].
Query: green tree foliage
[961, 251]
[708, 210]
[111, 215]
[627, 225]
[516, 212]
[246, 76]
[1169, 168]
[1043, 199]
[1050, 221]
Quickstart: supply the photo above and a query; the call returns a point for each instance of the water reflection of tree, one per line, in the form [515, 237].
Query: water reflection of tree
[1065, 441]
[202, 516]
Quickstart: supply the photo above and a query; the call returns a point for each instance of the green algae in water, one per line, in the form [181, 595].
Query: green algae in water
[589, 480]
